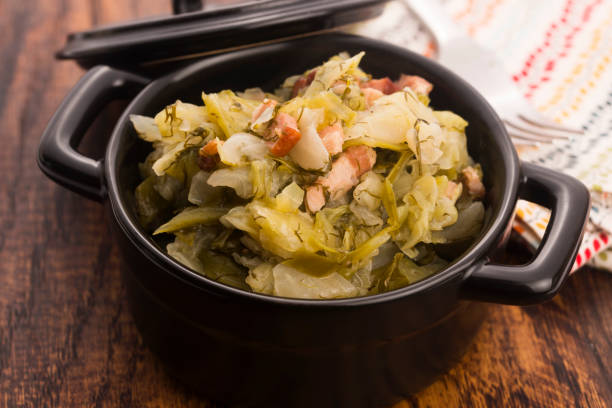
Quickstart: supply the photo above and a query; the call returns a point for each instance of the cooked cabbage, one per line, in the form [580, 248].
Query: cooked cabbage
[330, 72]
[310, 152]
[260, 197]
[238, 178]
[232, 113]
[190, 249]
[175, 129]
[202, 193]
[369, 192]
[332, 107]
[191, 217]
[242, 148]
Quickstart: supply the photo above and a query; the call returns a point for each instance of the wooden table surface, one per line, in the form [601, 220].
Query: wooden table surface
[66, 335]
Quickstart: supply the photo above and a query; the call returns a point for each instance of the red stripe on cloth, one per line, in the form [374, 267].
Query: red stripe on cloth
[554, 27]
[567, 45]
[596, 244]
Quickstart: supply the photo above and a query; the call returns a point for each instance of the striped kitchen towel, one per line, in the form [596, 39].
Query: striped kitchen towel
[559, 53]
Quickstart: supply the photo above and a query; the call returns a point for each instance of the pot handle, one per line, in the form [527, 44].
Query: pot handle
[542, 278]
[57, 155]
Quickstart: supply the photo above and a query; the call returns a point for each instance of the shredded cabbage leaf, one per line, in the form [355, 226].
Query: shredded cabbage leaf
[229, 111]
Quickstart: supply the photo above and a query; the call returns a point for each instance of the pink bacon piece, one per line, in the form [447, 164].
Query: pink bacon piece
[209, 155]
[265, 104]
[346, 170]
[211, 148]
[472, 182]
[384, 85]
[332, 138]
[286, 129]
[371, 95]
[315, 198]
[416, 83]
[303, 82]
[387, 87]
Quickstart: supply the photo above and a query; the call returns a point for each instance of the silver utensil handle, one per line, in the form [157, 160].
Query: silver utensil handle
[436, 19]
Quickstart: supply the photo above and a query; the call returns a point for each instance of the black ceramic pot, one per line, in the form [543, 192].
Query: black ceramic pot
[247, 349]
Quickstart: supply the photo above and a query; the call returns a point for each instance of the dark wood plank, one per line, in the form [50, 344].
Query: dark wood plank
[67, 338]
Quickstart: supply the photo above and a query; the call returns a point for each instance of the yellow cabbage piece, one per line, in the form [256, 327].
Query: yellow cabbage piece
[367, 250]
[181, 117]
[201, 193]
[238, 178]
[370, 141]
[328, 237]
[334, 110]
[173, 130]
[146, 127]
[403, 271]
[260, 279]
[429, 206]
[190, 217]
[365, 217]
[454, 151]
[310, 152]
[290, 199]
[281, 233]
[240, 218]
[369, 191]
[426, 141]
[241, 148]
[469, 222]
[330, 72]
[150, 205]
[351, 94]
[191, 250]
[232, 113]
[390, 118]
[293, 283]
[260, 179]
[285, 280]
[451, 120]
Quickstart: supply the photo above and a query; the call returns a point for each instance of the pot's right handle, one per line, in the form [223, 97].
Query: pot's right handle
[542, 278]
[57, 154]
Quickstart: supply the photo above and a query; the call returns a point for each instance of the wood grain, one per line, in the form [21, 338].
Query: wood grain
[67, 338]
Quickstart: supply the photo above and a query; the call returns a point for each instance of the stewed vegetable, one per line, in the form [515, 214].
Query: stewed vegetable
[335, 185]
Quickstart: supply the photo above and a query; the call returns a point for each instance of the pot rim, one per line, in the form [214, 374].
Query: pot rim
[477, 252]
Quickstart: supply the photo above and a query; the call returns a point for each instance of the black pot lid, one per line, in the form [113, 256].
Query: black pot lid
[195, 34]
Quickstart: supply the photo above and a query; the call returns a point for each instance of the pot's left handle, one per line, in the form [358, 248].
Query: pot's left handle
[57, 154]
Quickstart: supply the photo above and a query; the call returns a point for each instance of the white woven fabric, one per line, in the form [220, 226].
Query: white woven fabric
[559, 53]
